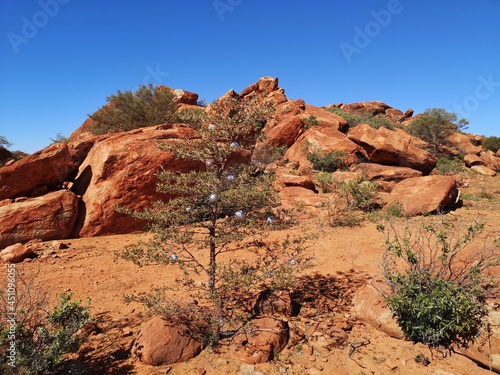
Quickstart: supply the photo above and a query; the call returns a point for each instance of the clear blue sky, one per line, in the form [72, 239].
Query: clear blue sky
[59, 61]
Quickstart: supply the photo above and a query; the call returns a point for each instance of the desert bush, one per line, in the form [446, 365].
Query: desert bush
[221, 209]
[310, 121]
[437, 282]
[448, 167]
[327, 162]
[350, 201]
[147, 106]
[194, 117]
[324, 181]
[492, 143]
[354, 119]
[434, 126]
[359, 194]
[42, 336]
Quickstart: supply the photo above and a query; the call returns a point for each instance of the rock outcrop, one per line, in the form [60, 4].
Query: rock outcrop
[462, 143]
[49, 167]
[378, 172]
[120, 170]
[48, 217]
[323, 139]
[422, 195]
[384, 146]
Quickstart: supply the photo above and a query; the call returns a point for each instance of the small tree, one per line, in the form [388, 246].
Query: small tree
[4, 142]
[434, 126]
[129, 110]
[215, 211]
[438, 283]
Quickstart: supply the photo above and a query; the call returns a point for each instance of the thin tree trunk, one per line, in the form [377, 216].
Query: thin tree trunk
[217, 303]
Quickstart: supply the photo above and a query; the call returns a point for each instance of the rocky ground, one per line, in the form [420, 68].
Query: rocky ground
[345, 258]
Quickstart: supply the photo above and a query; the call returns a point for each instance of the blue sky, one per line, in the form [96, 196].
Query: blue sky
[60, 59]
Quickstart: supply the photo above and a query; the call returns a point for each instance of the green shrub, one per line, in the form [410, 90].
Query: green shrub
[354, 119]
[327, 162]
[448, 167]
[359, 194]
[42, 337]
[492, 143]
[395, 209]
[437, 289]
[194, 117]
[311, 121]
[436, 311]
[324, 181]
[128, 110]
[434, 126]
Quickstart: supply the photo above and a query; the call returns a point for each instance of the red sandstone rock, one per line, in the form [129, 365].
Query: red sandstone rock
[16, 253]
[50, 167]
[379, 172]
[260, 340]
[323, 139]
[387, 147]
[462, 143]
[121, 170]
[421, 195]
[48, 217]
[369, 306]
[161, 342]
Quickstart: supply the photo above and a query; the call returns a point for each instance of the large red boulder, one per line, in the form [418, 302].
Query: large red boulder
[48, 217]
[462, 143]
[422, 195]
[380, 172]
[120, 170]
[490, 160]
[49, 167]
[163, 342]
[387, 147]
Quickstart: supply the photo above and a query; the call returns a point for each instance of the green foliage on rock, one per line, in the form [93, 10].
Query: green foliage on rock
[354, 119]
[128, 110]
[327, 162]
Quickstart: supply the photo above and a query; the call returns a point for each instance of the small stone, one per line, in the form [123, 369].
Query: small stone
[306, 349]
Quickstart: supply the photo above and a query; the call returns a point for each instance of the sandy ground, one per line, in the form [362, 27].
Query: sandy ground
[343, 259]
